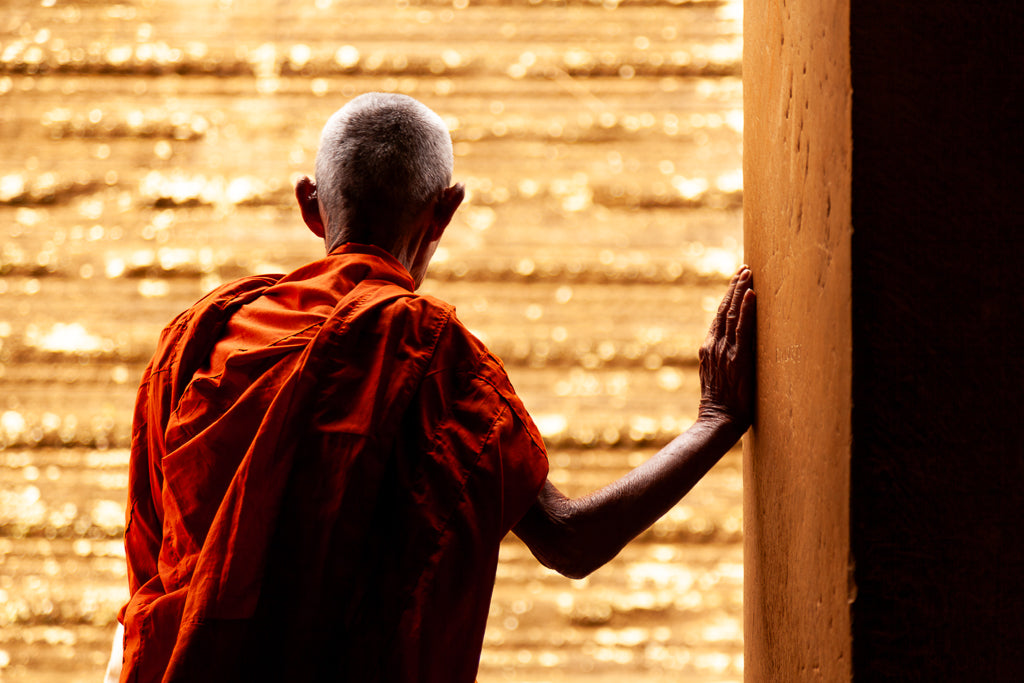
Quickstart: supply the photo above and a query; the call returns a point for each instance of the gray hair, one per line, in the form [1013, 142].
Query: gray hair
[382, 157]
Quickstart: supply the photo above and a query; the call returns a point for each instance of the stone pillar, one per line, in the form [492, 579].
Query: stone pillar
[796, 168]
[884, 498]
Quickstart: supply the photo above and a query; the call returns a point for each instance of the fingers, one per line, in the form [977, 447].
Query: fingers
[741, 285]
[747, 323]
[718, 325]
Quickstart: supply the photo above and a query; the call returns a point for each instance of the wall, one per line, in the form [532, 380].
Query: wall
[884, 478]
[796, 166]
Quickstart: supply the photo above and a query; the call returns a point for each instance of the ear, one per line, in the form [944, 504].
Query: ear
[305, 193]
[447, 203]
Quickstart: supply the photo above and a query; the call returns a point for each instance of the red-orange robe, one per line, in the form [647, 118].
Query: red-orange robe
[323, 465]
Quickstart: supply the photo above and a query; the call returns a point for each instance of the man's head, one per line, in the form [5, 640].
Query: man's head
[382, 174]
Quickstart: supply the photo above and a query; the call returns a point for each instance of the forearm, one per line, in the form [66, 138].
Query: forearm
[576, 536]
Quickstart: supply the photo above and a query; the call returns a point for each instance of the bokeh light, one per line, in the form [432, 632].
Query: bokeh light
[149, 151]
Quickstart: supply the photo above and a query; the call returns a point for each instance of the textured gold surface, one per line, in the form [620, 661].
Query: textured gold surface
[147, 153]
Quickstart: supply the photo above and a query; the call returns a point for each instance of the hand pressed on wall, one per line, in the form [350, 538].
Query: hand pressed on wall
[575, 536]
[727, 357]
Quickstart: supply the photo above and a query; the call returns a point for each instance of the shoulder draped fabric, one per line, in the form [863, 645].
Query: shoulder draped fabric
[323, 465]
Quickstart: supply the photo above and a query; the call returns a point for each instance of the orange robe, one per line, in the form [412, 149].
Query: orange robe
[323, 465]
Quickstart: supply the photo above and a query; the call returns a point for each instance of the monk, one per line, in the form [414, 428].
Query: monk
[324, 463]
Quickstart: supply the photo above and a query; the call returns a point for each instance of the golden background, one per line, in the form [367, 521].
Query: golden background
[149, 151]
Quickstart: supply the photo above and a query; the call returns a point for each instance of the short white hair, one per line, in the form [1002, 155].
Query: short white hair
[382, 157]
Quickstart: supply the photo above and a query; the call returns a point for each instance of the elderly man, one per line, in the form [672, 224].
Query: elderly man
[324, 463]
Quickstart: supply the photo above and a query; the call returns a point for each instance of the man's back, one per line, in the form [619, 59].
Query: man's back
[324, 464]
[329, 483]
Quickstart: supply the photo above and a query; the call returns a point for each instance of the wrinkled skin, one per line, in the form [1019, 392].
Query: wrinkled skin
[575, 536]
[727, 356]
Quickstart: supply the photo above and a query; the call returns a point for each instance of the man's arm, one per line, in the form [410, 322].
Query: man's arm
[576, 536]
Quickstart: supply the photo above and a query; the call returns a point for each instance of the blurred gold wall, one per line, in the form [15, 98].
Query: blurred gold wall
[148, 153]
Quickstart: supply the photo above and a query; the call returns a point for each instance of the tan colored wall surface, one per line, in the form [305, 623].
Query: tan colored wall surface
[797, 156]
